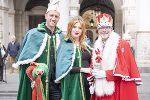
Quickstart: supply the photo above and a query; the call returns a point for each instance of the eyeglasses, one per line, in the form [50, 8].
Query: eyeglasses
[104, 27]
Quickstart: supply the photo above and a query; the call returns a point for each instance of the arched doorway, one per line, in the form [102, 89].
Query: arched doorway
[35, 10]
[89, 10]
[34, 20]
[93, 8]
[89, 35]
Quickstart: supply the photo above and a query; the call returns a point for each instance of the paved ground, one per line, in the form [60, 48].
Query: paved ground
[8, 91]
[144, 90]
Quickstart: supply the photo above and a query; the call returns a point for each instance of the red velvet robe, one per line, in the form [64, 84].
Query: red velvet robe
[125, 88]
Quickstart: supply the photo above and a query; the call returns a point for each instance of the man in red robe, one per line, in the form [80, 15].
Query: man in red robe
[115, 71]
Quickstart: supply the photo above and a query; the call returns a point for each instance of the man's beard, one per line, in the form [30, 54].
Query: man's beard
[104, 38]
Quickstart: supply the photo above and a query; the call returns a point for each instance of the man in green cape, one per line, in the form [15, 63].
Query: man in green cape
[40, 45]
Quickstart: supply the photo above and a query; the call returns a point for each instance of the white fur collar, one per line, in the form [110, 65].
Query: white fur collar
[108, 56]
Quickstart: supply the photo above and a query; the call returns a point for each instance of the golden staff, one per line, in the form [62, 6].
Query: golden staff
[47, 65]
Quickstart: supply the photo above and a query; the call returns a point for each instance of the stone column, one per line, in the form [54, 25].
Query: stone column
[11, 19]
[64, 14]
[124, 9]
[19, 24]
[143, 34]
[74, 8]
[1, 35]
[129, 19]
[4, 31]
[129, 15]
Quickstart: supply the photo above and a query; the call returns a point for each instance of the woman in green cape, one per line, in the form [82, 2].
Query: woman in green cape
[73, 59]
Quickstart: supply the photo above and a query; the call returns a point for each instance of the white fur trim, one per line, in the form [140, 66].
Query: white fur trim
[108, 55]
[138, 83]
[103, 87]
[63, 75]
[88, 46]
[57, 41]
[42, 47]
[120, 75]
[131, 79]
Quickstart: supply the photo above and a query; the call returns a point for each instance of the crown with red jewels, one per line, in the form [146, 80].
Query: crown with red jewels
[104, 20]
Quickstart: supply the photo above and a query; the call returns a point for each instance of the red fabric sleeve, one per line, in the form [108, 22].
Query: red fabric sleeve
[121, 68]
[133, 69]
[29, 71]
[125, 63]
[110, 77]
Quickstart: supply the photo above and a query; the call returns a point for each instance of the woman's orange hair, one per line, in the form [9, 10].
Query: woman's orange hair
[71, 24]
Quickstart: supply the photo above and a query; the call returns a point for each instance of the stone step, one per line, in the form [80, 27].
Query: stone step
[144, 69]
[8, 93]
[8, 98]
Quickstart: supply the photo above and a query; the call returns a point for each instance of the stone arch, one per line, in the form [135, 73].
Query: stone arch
[102, 5]
[113, 7]
[25, 9]
[35, 16]
[11, 4]
[33, 3]
[90, 9]
[35, 12]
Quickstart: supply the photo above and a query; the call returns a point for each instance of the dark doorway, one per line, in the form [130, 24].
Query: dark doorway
[89, 35]
[34, 20]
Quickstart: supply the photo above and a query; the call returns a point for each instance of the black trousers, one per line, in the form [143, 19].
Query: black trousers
[1, 72]
[54, 91]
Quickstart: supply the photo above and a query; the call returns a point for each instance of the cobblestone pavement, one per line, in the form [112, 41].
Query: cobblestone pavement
[8, 91]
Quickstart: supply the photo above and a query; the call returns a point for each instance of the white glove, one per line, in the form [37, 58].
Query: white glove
[86, 70]
[32, 84]
[98, 73]
[92, 88]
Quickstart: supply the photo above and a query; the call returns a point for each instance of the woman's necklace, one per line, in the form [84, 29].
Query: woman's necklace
[77, 44]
